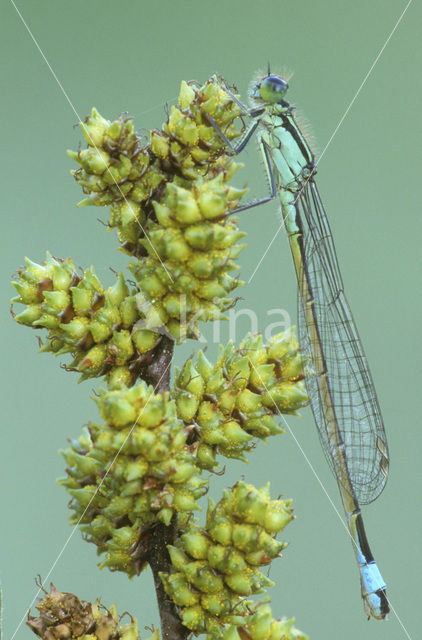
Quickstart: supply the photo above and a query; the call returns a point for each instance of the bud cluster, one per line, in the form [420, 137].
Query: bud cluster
[169, 203]
[129, 473]
[259, 624]
[229, 404]
[216, 567]
[105, 331]
[141, 468]
[191, 252]
[63, 615]
[117, 169]
[188, 144]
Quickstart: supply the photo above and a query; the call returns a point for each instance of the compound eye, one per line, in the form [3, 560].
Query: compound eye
[273, 89]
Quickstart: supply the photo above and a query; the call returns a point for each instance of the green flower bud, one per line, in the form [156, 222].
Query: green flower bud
[145, 340]
[164, 215]
[205, 455]
[263, 376]
[200, 236]
[187, 405]
[246, 537]
[203, 577]
[190, 380]
[37, 271]
[128, 312]
[186, 95]
[238, 369]
[282, 344]
[277, 516]
[117, 409]
[258, 558]
[284, 629]
[216, 382]
[204, 366]
[118, 292]
[55, 301]
[108, 314]
[81, 466]
[118, 507]
[181, 593]
[76, 329]
[165, 515]
[287, 396]
[92, 160]
[63, 274]
[211, 290]
[94, 128]
[248, 401]
[178, 558]
[196, 544]
[121, 347]
[100, 331]
[259, 624]
[212, 205]
[123, 538]
[243, 583]
[82, 299]
[209, 416]
[93, 362]
[28, 292]
[118, 377]
[226, 559]
[235, 434]
[184, 501]
[159, 144]
[135, 469]
[217, 604]
[193, 617]
[30, 315]
[85, 496]
[221, 531]
[100, 528]
[231, 633]
[186, 210]
[117, 560]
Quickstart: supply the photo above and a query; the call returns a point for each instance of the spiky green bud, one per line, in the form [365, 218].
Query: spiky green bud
[216, 567]
[118, 169]
[259, 624]
[102, 329]
[130, 472]
[184, 280]
[249, 388]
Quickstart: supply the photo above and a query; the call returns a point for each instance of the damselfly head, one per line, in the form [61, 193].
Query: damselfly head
[269, 88]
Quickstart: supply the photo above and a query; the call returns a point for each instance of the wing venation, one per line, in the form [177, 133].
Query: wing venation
[351, 388]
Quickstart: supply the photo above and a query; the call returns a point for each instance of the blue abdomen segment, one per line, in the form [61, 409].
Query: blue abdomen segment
[373, 586]
[372, 579]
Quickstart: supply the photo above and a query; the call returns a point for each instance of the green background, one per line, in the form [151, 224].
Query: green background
[132, 56]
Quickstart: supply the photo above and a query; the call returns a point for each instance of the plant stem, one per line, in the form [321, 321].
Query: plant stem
[154, 367]
[159, 560]
[158, 371]
[158, 374]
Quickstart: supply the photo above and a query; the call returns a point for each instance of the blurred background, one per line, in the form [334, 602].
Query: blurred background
[132, 56]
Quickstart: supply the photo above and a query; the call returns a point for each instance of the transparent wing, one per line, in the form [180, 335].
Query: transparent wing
[350, 383]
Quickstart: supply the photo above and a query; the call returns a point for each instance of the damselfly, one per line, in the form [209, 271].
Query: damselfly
[339, 382]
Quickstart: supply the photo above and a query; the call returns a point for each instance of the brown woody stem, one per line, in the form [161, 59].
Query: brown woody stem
[158, 374]
[159, 560]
